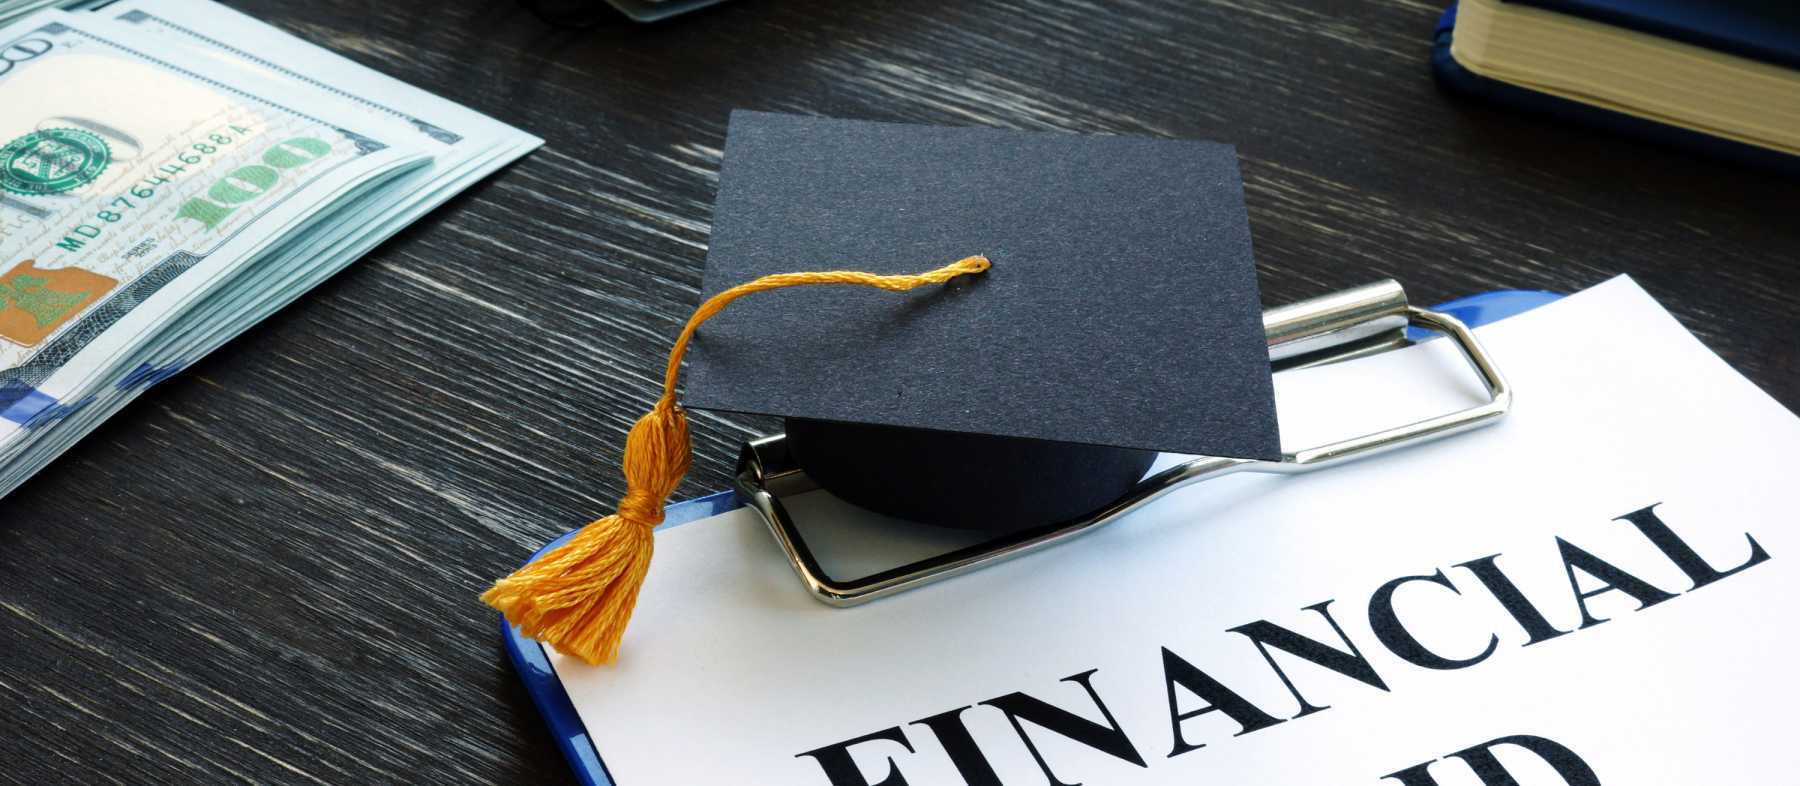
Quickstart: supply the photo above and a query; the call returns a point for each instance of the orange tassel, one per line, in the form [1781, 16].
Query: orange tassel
[579, 596]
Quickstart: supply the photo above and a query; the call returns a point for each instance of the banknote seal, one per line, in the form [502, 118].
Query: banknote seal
[52, 161]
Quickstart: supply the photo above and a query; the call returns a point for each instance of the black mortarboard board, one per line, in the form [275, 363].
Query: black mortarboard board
[1120, 317]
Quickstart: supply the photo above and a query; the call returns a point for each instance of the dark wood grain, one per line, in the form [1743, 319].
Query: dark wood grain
[265, 570]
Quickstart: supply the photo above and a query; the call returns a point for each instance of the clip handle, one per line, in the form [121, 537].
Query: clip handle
[1499, 402]
[1330, 322]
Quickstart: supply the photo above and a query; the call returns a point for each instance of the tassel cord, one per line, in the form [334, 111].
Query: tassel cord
[717, 303]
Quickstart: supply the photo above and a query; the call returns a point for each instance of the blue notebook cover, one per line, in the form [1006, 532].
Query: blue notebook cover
[559, 712]
[1453, 75]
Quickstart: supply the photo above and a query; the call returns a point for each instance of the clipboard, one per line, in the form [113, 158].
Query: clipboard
[559, 712]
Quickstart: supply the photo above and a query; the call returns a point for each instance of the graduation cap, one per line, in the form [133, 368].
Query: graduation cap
[1105, 309]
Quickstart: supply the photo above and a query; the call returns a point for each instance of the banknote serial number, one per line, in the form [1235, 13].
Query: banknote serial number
[237, 188]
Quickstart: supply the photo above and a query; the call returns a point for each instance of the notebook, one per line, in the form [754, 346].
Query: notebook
[1721, 77]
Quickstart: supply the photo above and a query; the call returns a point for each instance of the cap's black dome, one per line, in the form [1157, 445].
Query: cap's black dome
[968, 481]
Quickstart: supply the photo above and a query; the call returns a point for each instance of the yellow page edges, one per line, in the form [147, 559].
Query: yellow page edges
[1631, 72]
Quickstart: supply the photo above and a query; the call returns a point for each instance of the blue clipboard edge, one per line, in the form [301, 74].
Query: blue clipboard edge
[540, 678]
[559, 712]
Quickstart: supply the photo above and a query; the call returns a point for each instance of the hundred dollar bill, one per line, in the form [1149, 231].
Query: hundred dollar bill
[239, 50]
[134, 181]
[465, 144]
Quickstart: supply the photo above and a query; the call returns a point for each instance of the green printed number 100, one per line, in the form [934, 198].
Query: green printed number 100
[246, 183]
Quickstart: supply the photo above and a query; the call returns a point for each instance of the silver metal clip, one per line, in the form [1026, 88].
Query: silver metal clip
[1342, 326]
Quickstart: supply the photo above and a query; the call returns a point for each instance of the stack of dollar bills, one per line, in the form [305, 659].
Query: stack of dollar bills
[171, 172]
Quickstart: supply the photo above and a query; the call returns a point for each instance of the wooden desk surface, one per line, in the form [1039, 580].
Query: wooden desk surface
[265, 569]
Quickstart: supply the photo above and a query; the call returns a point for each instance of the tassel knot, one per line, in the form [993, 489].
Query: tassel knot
[641, 508]
[579, 596]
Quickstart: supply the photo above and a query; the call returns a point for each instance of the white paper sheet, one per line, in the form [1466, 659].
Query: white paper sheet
[730, 672]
